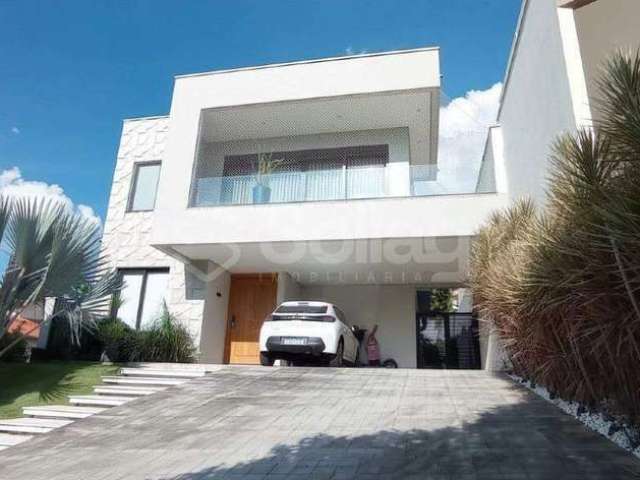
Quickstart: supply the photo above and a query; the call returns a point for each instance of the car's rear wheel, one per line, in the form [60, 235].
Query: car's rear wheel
[337, 361]
[266, 360]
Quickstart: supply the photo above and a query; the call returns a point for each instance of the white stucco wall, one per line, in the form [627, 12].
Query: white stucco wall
[486, 176]
[214, 324]
[398, 217]
[603, 27]
[392, 307]
[492, 176]
[288, 288]
[126, 237]
[537, 104]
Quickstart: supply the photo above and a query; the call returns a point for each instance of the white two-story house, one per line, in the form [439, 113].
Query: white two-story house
[319, 180]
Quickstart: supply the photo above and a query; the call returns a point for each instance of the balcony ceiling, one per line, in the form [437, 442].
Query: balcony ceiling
[415, 109]
[441, 260]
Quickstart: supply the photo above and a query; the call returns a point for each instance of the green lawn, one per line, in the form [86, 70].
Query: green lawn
[29, 384]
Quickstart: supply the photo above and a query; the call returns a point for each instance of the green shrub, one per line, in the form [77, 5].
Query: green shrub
[66, 342]
[167, 340]
[18, 353]
[120, 342]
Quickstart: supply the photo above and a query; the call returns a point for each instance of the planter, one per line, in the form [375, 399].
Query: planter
[261, 193]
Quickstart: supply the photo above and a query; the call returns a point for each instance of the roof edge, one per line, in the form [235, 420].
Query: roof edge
[138, 119]
[512, 54]
[314, 60]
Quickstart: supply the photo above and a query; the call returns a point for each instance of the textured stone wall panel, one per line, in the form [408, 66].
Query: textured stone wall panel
[126, 235]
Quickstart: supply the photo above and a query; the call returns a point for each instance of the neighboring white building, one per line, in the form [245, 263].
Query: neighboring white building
[354, 209]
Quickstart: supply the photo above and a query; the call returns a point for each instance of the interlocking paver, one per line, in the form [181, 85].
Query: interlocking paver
[317, 423]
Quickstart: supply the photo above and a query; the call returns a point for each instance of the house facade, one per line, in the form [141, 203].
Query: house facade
[320, 180]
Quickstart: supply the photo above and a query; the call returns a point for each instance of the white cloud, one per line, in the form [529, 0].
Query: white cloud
[15, 130]
[351, 51]
[464, 123]
[13, 184]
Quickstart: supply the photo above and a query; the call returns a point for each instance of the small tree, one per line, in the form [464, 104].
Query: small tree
[53, 252]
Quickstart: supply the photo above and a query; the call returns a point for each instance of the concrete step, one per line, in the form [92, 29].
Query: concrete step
[162, 373]
[126, 391]
[205, 367]
[27, 425]
[8, 439]
[99, 400]
[140, 381]
[23, 429]
[61, 411]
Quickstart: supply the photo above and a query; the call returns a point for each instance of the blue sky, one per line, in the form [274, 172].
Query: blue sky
[72, 70]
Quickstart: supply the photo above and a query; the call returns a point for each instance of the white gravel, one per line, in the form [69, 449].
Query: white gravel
[596, 421]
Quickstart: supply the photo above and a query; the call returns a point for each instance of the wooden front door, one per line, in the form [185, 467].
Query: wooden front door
[251, 299]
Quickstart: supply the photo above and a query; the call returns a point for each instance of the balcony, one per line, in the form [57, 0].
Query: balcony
[387, 181]
[348, 131]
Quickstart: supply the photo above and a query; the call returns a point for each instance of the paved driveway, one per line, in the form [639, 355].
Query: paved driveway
[306, 423]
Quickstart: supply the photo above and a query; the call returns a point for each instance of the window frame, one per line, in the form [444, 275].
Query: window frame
[143, 287]
[134, 180]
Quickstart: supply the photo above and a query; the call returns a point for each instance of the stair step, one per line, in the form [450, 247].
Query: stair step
[61, 411]
[127, 391]
[36, 422]
[168, 366]
[23, 429]
[168, 373]
[8, 439]
[99, 400]
[139, 381]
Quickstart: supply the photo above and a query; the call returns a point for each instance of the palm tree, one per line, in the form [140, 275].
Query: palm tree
[53, 252]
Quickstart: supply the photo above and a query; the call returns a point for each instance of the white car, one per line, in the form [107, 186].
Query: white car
[308, 331]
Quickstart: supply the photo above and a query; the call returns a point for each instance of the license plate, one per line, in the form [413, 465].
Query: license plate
[294, 341]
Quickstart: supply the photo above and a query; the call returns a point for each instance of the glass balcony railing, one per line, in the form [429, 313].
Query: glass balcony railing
[391, 180]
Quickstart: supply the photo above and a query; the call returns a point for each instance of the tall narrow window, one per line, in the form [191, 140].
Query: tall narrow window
[144, 187]
[142, 295]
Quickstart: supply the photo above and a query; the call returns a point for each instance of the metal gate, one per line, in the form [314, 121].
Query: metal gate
[447, 340]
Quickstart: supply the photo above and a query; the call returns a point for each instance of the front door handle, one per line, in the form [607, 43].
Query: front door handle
[233, 321]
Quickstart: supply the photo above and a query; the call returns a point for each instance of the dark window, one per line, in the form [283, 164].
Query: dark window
[311, 160]
[301, 309]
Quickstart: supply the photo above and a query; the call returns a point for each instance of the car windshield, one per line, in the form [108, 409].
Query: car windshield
[319, 309]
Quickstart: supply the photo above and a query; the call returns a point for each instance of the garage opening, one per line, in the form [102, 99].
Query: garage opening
[447, 333]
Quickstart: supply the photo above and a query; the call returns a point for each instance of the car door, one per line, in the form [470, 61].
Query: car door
[350, 341]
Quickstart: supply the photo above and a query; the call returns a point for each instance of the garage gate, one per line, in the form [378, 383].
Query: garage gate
[447, 340]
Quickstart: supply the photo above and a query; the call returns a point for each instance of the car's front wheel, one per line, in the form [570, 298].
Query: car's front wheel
[337, 361]
[266, 360]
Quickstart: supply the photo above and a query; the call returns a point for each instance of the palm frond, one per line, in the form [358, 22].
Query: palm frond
[618, 103]
[562, 287]
[55, 252]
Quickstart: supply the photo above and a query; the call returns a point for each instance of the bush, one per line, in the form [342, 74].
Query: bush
[167, 340]
[64, 343]
[118, 339]
[19, 352]
[561, 285]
